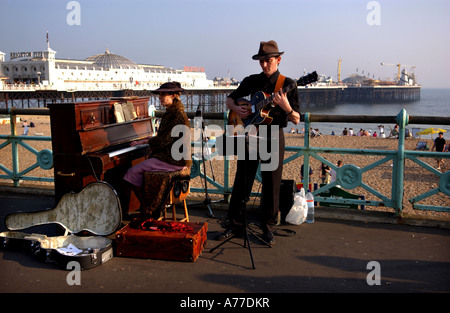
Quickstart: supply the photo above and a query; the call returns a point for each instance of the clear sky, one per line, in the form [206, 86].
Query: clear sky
[222, 35]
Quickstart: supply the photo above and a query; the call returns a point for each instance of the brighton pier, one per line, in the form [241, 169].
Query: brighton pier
[210, 99]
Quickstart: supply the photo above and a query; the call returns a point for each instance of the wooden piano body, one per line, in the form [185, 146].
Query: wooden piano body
[89, 145]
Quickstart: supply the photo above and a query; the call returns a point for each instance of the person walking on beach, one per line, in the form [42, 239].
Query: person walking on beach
[439, 145]
[286, 109]
[324, 173]
[333, 173]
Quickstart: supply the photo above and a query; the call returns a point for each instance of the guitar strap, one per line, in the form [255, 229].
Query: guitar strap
[280, 83]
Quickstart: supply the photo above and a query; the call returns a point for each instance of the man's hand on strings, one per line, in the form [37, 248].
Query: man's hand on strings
[280, 98]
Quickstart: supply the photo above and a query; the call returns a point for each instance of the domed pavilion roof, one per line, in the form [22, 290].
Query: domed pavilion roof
[111, 60]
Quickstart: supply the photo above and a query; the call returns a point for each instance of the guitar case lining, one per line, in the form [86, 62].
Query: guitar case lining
[96, 209]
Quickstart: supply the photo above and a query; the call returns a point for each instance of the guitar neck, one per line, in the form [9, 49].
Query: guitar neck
[303, 81]
[269, 99]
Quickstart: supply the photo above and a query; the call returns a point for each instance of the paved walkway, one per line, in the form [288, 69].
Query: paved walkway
[331, 255]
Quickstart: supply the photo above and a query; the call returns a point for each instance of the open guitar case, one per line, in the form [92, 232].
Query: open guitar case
[94, 211]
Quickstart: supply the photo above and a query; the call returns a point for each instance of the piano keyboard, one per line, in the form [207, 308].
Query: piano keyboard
[125, 150]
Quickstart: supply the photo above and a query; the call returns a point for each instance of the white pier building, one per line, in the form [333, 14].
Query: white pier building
[105, 71]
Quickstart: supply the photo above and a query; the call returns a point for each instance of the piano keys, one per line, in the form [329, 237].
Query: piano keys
[126, 150]
[89, 145]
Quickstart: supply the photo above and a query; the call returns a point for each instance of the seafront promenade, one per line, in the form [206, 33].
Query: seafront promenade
[342, 252]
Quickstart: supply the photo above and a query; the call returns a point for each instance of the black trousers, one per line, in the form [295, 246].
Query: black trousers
[270, 191]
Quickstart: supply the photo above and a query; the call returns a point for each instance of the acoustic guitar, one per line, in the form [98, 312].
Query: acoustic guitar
[262, 104]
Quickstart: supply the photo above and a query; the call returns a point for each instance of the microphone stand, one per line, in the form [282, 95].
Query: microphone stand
[207, 201]
[243, 210]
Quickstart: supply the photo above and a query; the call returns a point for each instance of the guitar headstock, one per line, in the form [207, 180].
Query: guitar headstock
[307, 79]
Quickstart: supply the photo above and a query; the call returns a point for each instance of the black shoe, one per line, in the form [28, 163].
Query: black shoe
[156, 214]
[268, 238]
[229, 232]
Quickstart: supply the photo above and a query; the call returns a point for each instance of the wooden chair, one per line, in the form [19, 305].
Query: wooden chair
[164, 190]
[315, 133]
[422, 145]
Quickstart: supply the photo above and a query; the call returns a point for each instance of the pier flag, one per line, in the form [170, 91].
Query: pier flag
[48, 44]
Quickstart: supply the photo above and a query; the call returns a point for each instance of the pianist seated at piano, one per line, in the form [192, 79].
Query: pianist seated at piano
[160, 158]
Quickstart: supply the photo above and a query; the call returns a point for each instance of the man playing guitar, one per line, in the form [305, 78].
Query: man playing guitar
[285, 107]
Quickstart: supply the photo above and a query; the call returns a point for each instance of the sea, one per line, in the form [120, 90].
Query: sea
[432, 102]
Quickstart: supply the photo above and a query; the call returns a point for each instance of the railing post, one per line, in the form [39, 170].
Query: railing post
[226, 164]
[151, 112]
[306, 153]
[399, 164]
[14, 148]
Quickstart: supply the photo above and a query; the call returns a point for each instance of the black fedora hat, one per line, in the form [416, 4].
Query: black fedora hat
[170, 87]
[267, 49]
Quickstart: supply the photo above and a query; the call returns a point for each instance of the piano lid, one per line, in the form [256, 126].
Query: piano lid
[98, 138]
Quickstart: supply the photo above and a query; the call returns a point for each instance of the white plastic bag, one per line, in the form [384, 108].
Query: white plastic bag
[299, 209]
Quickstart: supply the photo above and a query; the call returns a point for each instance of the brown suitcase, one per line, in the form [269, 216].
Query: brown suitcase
[165, 240]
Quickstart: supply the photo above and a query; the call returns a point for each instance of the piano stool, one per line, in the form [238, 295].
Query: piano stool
[164, 190]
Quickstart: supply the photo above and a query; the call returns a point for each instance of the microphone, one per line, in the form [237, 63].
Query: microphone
[198, 112]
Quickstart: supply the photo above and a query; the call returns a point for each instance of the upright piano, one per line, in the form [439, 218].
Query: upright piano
[91, 142]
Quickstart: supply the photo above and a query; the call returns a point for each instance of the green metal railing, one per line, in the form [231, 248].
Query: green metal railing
[44, 158]
[349, 176]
